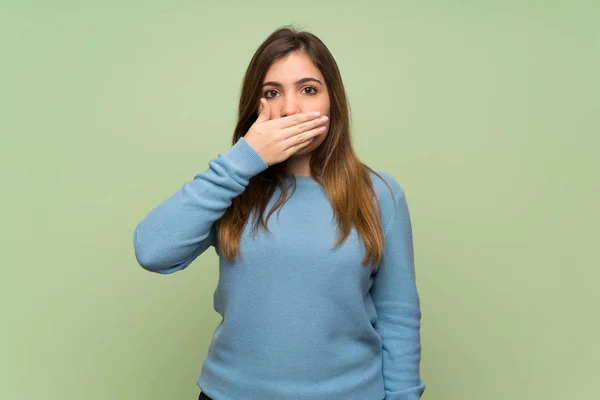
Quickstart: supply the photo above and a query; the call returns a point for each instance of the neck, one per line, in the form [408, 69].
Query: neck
[299, 165]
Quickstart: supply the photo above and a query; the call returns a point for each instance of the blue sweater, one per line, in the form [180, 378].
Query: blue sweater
[301, 321]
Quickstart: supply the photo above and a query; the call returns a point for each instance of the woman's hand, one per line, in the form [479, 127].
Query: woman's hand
[275, 140]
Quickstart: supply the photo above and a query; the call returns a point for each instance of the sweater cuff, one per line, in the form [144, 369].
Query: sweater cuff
[245, 158]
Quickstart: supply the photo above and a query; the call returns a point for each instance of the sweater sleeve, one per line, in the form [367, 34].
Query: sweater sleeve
[396, 301]
[181, 228]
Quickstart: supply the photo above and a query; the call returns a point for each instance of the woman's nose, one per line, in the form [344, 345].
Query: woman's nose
[290, 107]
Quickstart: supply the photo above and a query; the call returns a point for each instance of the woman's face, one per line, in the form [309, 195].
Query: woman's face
[295, 85]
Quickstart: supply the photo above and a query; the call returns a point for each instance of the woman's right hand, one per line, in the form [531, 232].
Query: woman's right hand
[275, 140]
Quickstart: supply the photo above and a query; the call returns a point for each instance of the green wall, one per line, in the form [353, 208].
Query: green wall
[487, 113]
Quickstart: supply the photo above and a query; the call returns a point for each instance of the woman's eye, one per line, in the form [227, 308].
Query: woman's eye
[273, 93]
[266, 94]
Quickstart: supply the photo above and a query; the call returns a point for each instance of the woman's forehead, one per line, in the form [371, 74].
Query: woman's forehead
[293, 68]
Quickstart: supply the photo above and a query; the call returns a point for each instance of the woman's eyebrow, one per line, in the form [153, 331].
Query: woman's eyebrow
[298, 82]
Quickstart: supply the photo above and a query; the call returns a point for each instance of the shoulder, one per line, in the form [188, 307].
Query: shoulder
[388, 190]
[385, 185]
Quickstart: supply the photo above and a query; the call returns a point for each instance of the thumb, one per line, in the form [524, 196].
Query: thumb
[264, 111]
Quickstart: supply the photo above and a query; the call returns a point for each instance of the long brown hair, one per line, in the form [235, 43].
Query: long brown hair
[334, 164]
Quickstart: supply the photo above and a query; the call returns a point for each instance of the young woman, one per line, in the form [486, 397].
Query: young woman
[316, 282]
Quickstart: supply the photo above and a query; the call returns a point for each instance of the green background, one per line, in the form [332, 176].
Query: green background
[487, 113]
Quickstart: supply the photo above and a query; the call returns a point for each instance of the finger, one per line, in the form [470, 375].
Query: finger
[264, 112]
[303, 127]
[295, 119]
[301, 139]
